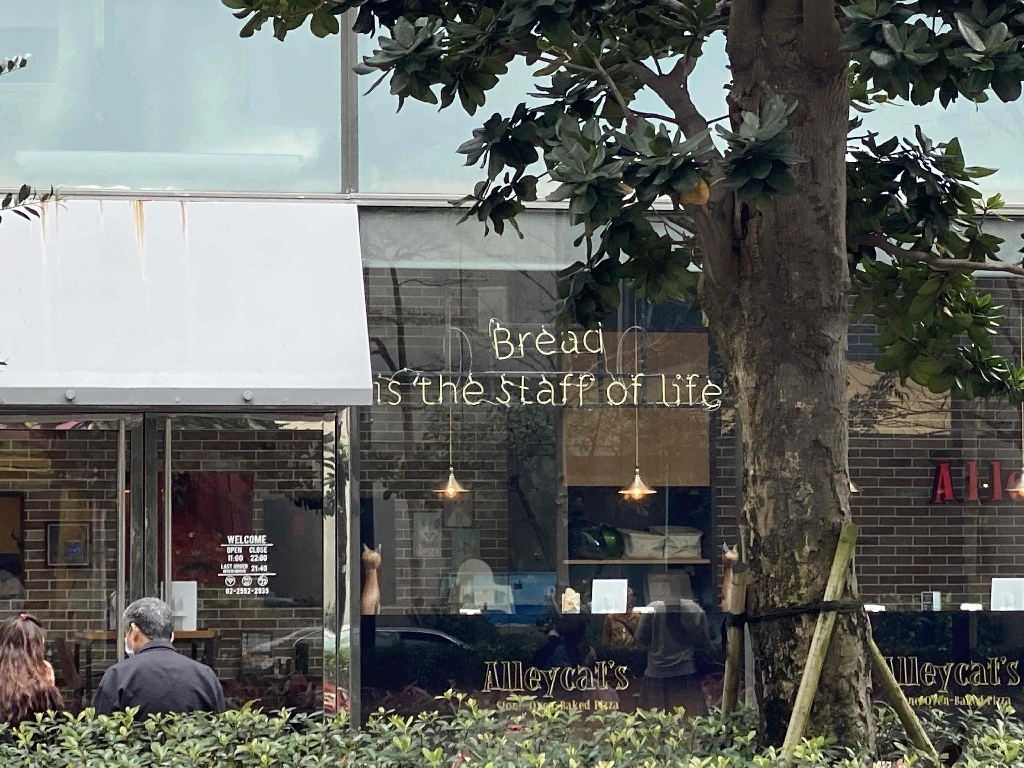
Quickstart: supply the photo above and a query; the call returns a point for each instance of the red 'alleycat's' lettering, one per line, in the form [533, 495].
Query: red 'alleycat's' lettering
[513, 677]
[978, 486]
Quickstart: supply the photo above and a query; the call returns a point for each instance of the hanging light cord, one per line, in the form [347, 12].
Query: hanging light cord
[636, 401]
[451, 408]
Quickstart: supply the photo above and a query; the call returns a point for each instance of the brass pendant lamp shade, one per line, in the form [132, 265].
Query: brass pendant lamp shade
[453, 487]
[638, 489]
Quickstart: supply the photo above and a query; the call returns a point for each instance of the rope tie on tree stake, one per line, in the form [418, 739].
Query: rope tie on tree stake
[826, 606]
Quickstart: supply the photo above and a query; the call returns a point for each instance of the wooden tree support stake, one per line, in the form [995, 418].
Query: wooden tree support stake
[734, 638]
[899, 702]
[819, 641]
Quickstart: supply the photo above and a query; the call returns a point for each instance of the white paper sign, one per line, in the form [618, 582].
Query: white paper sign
[1008, 594]
[609, 596]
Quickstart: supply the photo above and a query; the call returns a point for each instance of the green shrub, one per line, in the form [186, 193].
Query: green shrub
[537, 737]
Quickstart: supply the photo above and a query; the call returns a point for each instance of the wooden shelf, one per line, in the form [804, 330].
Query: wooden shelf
[660, 561]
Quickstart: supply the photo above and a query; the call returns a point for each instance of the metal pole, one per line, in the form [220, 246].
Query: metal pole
[122, 549]
[168, 574]
[349, 104]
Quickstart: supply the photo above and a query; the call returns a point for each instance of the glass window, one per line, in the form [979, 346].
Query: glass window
[414, 150]
[247, 538]
[984, 130]
[940, 557]
[433, 239]
[540, 569]
[157, 95]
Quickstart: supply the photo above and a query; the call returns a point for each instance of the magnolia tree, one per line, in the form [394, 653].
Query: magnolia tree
[779, 227]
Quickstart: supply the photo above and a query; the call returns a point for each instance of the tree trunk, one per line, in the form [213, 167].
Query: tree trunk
[781, 325]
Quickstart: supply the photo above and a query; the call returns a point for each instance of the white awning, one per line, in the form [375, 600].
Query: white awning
[170, 304]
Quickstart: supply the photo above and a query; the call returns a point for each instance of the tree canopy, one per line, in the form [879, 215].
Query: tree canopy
[912, 199]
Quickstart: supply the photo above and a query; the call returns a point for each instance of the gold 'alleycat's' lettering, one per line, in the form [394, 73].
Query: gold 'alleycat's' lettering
[513, 677]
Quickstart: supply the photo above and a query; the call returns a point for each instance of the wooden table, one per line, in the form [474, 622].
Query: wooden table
[194, 637]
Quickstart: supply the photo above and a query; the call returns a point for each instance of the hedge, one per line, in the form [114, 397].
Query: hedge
[537, 736]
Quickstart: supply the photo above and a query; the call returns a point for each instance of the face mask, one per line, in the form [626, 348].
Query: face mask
[128, 652]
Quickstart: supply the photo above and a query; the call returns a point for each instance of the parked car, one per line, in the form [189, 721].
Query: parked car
[398, 657]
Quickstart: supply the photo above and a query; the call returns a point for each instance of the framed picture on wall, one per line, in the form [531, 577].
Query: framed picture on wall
[426, 534]
[67, 545]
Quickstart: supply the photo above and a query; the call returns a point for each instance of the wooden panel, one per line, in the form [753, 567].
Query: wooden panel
[599, 446]
[599, 442]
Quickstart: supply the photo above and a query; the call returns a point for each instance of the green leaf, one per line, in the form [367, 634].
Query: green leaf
[930, 287]
[1006, 86]
[970, 36]
[920, 306]
[783, 181]
[892, 37]
[940, 383]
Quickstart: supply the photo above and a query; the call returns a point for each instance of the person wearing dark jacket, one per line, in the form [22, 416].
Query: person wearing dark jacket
[156, 678]
[673, 636]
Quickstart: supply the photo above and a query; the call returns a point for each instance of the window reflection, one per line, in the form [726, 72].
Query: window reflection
[147, 94]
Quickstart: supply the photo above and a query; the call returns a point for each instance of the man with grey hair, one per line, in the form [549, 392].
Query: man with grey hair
[156, 678]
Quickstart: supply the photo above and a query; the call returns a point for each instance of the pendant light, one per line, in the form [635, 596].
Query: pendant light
[638, 489]
[1016, 488]
[452, 487]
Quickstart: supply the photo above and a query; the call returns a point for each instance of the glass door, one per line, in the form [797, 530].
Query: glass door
[246, 507]
[64, 539]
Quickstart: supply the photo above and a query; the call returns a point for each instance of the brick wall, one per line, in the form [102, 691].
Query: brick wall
[69, 477]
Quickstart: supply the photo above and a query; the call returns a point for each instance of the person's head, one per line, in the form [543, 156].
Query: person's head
[571, 627]
[25, 676]
[146, 620]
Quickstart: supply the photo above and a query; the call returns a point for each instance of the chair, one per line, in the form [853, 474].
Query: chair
[476, 589]
[68, 672]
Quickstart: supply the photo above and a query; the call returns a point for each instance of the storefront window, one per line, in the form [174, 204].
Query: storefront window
[941, 552]
[247, 533]
[257, 555]
[502, 557]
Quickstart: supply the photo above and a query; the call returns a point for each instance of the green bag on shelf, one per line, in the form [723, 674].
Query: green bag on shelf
[613, 544]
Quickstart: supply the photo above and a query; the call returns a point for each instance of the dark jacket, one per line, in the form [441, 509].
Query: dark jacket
[158, 679]
[672, 638]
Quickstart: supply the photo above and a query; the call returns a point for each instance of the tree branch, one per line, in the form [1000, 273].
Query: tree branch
[616, 93]
[672, 90]
[934, 260]
[822, 34]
